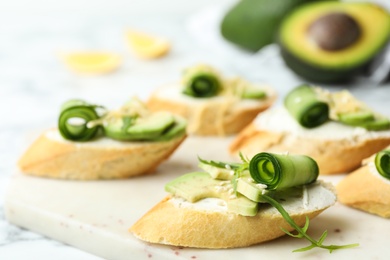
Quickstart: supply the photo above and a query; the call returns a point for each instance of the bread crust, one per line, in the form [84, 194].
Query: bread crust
[48, 157]
[212, 117]
[364, 191]
[333, 156]
[167, 223]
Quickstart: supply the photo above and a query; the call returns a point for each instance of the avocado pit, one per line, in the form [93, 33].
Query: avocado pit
[334, 31]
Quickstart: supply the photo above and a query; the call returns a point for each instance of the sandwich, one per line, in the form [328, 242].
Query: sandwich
[230, 205]
[334, 128]
[368, 188]
[93, 143]
[213, 104]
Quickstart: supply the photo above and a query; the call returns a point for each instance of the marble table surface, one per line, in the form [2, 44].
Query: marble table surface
[33, 81]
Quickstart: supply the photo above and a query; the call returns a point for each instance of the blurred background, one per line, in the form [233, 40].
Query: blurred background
[35, 80]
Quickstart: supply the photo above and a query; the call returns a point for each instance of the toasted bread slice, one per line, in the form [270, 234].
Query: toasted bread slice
[52, 156]
[336, 148]
[219, 115]
[205, 224]
[366, 190]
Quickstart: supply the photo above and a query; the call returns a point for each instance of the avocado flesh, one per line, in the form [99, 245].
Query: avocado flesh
[200, 185]
[356, 118]
[177, 129]
[254, 94]
[151, 126]
[115, 128]
[254, 192]
[365, 119]
[252, 24]
[159, 127]
[318, 65]
[216, 172]
[377, 124]
[250, 190]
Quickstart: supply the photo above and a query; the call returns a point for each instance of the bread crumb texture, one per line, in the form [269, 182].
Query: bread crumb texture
[56, 158]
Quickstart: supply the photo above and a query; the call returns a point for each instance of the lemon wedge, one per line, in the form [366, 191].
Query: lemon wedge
[92, 62]
[147, 46]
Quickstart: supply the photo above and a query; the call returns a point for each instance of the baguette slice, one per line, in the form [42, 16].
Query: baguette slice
[336, 148]
[366, 190]
[205, 224]
[219, 115]
[52, 156]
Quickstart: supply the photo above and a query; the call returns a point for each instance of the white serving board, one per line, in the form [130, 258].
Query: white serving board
[95, 215]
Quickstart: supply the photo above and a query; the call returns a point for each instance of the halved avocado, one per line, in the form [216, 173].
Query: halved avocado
[331, 42]
[253, 24]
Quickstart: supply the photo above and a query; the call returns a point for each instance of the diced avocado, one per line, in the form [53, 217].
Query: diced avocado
[251, 190]
[217, 172]
[199, 185]
[152, 126]
[331, 41]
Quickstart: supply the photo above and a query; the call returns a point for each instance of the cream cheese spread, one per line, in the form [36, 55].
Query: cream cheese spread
[208, 204]
[317, 196]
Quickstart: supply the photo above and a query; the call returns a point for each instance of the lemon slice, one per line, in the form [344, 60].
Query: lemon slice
[92, 62]
[147, 46]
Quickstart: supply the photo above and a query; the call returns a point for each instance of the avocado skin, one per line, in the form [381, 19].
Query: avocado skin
[253, 24]
[317, 74]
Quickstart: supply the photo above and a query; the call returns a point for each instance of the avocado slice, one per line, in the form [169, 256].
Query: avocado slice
[199, 185]
[356, 118]
[251, 93]
[313, 49]
[251, 190]
[378, 124]
[177, 129]
[365, 119]
[253, 24]
[217, 172]
[152, 126]
[157, 127]
[115, 128]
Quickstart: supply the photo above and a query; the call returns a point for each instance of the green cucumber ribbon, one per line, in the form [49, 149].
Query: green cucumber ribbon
[201, 81]
[306, 107]
[382, 163]
[279, 171]
[74, 118]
